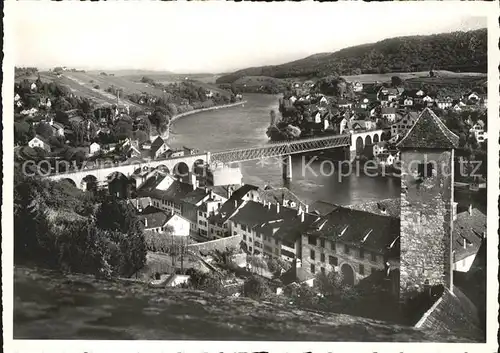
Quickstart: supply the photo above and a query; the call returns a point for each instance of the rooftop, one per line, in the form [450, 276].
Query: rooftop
[429, 132]
[468, 228]
[364, 229]
[387, 207]
[154, 216]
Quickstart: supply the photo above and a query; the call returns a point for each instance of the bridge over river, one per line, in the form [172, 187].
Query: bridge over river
[185, 165]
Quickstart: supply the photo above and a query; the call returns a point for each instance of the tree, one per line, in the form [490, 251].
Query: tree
[23, 132]
[122, 129]
[44, 130]
[256, 287]
[116, 215]
[396, 81]
[159, 119]
[329, 283]
[206, 281]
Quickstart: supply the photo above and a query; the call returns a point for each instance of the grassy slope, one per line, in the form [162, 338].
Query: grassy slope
[82, 84]
[50, 305]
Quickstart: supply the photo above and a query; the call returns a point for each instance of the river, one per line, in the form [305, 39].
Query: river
[245, 126]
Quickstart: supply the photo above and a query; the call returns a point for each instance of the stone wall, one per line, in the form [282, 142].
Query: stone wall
[426, 222]
[219, 244]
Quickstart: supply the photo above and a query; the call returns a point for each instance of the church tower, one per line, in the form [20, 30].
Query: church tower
[427, 176]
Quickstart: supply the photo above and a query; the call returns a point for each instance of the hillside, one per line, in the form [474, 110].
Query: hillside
[259, 84]
[52, 305]
[457, 51]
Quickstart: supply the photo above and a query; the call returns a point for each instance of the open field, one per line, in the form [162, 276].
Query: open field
[84, 83]
[53, 305]
[371, 78]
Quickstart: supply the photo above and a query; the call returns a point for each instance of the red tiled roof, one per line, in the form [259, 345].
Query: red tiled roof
[429, 132]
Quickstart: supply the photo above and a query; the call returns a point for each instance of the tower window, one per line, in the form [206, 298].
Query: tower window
[425, 170]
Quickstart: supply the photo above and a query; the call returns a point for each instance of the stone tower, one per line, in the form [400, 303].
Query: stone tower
[427, 153]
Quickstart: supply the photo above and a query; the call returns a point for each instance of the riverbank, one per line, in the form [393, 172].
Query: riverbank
[215, 107]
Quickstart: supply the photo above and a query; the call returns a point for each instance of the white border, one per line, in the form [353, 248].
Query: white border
[476, 8]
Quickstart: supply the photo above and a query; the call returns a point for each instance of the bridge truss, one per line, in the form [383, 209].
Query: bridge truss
[280, 149]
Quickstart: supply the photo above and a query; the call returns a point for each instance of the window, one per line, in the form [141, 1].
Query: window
[425, 170]
[362, 270]
[244, 237]
[333, 260]
[322, 257]
[323, 270]
[211, 230]
[235, 233]
[200, 213]
[374, 257]
[361, 253]
[313, 269]
[244, 227]
[332, 245]
[312, 255]
[250, 249]
[346, 249]
[322, 242]
[311, 240]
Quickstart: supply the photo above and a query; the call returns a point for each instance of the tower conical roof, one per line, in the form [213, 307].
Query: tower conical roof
[429, 132]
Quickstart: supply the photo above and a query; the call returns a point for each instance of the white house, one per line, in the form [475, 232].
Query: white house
[473, 96]
[157, 220]
[389, 113]
[292, 99]
[419, 93]
[364, 103]
[158, 147]
[428, 99]
[94, 148]
[39, 142]
[379, 147]
[444, 103]
[17, 97]
[344, 104]
[33, 86]
[478, 131]
[408, 102]
[357, 86]
[323, 100]
[29, 112]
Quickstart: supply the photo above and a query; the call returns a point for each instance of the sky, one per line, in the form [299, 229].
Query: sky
[192, 37]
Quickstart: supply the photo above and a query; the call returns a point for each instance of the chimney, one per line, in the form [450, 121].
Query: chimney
[307, 209]
[302, 216]
[470, 209]
[465, 243]
[235, 203]
[277, 207]
[299, 211]
[145, 222]
[269, 206]
[211, 194]
[298, 263]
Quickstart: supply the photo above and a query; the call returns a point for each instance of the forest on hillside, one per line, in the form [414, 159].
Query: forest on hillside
[457, 51]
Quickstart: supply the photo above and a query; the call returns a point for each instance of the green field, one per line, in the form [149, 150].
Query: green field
[83, 83]
[442, 75]
[57, 306]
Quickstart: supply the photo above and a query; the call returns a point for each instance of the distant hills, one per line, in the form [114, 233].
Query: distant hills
[457, 51]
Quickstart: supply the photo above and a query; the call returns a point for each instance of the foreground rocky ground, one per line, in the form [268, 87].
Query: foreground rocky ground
[53, 305]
